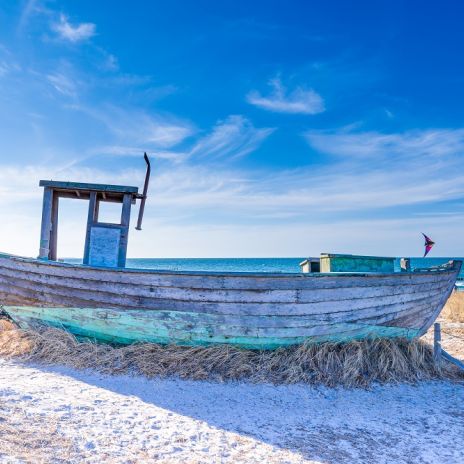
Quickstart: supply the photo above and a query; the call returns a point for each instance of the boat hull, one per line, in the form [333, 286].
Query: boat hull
[252, 310]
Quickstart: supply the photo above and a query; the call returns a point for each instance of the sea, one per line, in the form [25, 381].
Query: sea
[285, 265]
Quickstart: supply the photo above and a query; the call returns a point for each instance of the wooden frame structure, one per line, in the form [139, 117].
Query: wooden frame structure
[105, 243]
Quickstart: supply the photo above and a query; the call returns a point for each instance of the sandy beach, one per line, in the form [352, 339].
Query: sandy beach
[56, 414]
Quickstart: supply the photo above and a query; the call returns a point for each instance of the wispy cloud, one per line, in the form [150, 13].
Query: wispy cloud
[8, 62]
[428, 142]
[30, 7]
[230, 139]
[165, 134]
[8, 67]
[134, 127]
[249, 195]
[137, 151]
[233, 138]
[63, 84]
[388, 113]
[109, 61]
[300, 100]
[73, 33]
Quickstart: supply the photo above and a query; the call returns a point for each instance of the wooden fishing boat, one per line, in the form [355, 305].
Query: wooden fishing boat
[253, 310]
[352, 298]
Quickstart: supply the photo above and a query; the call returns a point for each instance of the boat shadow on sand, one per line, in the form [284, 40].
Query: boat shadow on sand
[319, 423]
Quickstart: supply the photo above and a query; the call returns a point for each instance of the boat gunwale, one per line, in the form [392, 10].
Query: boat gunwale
[455, 266]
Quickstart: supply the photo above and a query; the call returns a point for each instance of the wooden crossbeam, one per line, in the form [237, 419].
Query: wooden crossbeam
[438, 352]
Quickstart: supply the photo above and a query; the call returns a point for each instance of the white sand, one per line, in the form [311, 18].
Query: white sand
[65, 415]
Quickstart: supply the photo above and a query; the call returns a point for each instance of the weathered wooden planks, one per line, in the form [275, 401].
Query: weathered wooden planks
[223, 295]
[57, 293]
[253, 310]
[79, 186]
[46, 227]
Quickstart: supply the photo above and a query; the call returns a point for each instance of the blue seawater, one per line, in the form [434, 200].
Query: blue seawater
[290, 265]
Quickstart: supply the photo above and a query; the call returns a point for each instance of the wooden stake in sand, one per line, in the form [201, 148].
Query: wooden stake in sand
[439, 352]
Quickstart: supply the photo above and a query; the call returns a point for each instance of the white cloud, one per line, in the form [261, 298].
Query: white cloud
[195, 210]
[76, 33]
[137, 151]
[133, 127]
[249, 195]
[229, 139]
[233, 138]
[430, 142]
[245, 195]
[300, 100]
[282, 238]
[165, 134]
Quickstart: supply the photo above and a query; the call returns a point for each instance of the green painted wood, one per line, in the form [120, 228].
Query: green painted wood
[140, 322]
[103, 325]
[391, 312]
[356, 263]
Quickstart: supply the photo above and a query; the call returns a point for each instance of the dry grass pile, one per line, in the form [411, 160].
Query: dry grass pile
[454, 308]
[358, 363]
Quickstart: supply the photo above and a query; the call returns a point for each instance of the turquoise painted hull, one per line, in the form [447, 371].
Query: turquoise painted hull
[123, 328]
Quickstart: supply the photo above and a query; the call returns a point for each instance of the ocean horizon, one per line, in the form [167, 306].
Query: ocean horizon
[284, 265]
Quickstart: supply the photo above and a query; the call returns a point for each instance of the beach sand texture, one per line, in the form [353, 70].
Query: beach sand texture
[65, 415]
[59, 414]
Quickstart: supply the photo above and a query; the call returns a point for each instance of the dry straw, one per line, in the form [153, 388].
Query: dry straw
[454, 308]
[354, 364]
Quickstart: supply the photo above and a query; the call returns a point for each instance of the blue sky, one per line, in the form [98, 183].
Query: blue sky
[275, 128]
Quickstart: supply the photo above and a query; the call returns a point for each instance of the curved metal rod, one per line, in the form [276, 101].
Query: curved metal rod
[145, 191]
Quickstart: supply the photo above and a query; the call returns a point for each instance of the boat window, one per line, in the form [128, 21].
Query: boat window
[109, 212]
[72, 219]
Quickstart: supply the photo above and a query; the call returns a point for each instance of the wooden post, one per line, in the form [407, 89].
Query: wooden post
[96, 213]
[90, 222]
[54, 232]
[46, 224]
[125, 221]
[436, 342]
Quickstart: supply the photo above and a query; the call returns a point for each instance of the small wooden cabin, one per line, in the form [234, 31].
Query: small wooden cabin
[105, 243]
